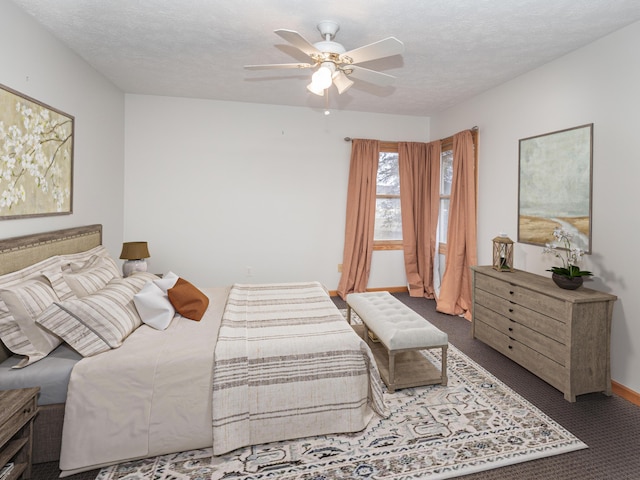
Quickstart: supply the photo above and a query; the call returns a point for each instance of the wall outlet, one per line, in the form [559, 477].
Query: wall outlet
[339, 268]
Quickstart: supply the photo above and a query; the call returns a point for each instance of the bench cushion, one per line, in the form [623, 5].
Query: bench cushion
[396, 325]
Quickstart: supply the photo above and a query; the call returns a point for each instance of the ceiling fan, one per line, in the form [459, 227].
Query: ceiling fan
[335, 64]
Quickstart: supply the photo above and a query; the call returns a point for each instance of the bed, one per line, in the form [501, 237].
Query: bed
[263, 363]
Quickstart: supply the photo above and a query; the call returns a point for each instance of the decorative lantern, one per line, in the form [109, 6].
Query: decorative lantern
[503, 253]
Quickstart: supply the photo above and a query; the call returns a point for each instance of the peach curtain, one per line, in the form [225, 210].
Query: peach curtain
[361, 211]
[455, 291]
[419, 170]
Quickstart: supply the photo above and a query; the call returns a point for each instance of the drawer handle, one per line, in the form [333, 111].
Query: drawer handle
[511, 292]
[511, 310]
[510, 347]
[510, 329]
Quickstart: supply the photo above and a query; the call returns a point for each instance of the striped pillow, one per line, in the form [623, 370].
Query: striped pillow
[20, 305]
[92, 275]
[100, 321]
[24, 301]
[81, 257]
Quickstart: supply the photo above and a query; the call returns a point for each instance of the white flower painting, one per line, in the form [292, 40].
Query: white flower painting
[36, 158]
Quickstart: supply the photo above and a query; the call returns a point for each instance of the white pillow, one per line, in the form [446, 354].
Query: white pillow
[153, 306]
[167, 281]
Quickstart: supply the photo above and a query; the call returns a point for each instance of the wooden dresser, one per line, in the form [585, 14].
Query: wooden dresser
[562, 336]
[17, 410]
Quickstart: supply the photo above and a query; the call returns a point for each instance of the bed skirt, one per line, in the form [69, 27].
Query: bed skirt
[47, 433]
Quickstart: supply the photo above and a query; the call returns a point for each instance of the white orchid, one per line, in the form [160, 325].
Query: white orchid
[569, 255]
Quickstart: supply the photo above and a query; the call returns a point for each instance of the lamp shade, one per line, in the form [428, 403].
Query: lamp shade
[134, 250]
[315, 90]
[322, 78]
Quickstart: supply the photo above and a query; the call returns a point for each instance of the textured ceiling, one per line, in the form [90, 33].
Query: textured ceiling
[454, 49]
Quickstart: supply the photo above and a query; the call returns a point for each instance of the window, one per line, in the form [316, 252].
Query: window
[446, 175]
[388, 224]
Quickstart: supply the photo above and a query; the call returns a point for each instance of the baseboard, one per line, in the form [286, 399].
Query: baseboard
[626, 393]
[334, 293]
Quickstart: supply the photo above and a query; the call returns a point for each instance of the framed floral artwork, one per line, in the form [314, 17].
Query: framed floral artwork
[36, 158]
[555, 186]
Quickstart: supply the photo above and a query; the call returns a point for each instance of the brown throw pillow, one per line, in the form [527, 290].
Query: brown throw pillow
[188, 300]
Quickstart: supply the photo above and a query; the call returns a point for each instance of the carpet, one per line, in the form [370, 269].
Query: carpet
[475, 423]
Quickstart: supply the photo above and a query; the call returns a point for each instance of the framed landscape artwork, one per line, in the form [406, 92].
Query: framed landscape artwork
[36, 157]
[555, 186]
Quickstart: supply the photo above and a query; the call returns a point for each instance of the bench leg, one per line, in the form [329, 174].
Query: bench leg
[444, 377]
[348, 314]
[392, 372]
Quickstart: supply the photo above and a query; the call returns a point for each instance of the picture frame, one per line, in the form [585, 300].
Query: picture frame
[555, 186]
[36, 157]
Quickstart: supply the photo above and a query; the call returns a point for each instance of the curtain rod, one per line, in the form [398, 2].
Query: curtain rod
[348, 139]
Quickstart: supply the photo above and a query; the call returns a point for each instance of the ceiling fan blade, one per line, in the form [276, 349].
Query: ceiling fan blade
[298, 41]
[383, 48]
[278, 66]
[342, 82]
[371, 76]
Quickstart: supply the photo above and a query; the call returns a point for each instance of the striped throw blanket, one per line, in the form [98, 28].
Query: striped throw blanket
[288, 365]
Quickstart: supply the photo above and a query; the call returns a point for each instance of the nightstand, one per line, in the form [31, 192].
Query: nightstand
[17, 411]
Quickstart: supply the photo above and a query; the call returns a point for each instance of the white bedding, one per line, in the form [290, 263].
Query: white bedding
[153, 395]
[148, 397]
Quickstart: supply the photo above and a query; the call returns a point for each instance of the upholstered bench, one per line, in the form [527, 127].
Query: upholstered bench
[402, 333]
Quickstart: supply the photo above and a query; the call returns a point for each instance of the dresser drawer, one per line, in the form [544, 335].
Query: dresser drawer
[542, 344]
[548, 326]
[551, 372]
[551, 307]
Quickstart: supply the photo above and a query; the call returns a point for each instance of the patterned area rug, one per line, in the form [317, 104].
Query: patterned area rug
[475, 423]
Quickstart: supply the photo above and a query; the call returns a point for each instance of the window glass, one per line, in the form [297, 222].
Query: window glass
[388, 181]
[388, 224]
[443, 220]
[446, 172]
[446, 176]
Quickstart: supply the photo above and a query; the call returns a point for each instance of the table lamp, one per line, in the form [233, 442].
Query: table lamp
[134, 253]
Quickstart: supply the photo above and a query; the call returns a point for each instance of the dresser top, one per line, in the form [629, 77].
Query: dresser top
[545, 285]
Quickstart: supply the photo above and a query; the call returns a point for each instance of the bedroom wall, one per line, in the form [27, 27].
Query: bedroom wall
[37, 65]
[230, 192]
[597, 84]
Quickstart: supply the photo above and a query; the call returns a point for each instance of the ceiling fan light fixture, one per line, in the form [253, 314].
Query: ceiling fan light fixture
[336, 66]
[322, 78]
[313, 88]
[341, 81]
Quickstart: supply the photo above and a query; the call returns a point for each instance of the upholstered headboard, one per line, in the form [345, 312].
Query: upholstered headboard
[19, 252]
